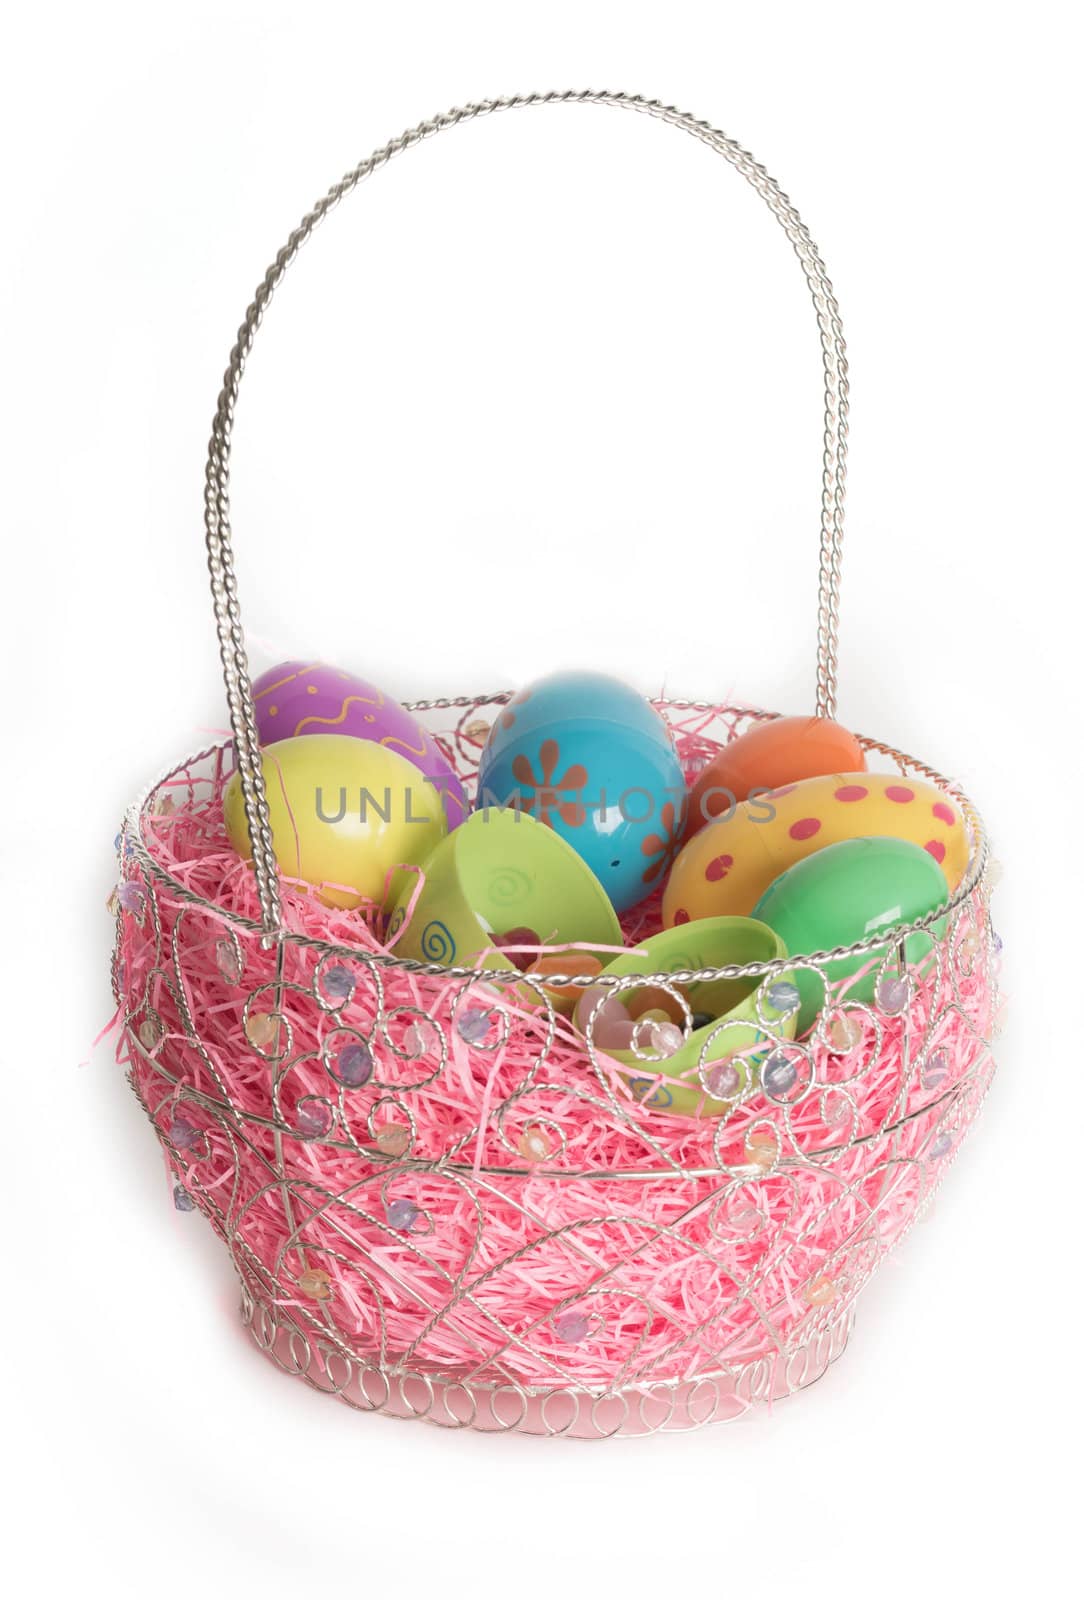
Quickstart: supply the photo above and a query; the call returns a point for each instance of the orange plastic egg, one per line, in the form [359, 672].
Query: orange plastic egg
[784, 750]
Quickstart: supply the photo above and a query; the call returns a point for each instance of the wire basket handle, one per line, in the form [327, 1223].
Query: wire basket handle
[217, 491]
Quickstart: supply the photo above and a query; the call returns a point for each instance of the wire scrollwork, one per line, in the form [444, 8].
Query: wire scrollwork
[391, 1253]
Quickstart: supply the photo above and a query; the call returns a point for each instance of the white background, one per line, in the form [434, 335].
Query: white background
[545, 392]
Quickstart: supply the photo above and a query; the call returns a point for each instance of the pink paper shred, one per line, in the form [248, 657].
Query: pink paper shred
[641, 1247]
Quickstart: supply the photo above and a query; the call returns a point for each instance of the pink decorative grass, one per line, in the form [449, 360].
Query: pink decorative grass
[539, 1225]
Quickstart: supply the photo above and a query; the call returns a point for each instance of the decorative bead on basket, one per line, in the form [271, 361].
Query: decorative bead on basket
[441, 1199]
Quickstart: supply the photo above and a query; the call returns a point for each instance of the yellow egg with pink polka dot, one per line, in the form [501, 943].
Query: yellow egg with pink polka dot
[726, 867]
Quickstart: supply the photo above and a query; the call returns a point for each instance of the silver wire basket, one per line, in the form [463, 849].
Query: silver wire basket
[490, 1271]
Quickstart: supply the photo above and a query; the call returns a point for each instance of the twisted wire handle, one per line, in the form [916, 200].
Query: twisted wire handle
[217, 488]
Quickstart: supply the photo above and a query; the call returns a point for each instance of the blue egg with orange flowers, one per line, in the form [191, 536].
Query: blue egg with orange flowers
[591, 758]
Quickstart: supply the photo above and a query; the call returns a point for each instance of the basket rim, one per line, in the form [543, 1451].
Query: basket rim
[978, 863]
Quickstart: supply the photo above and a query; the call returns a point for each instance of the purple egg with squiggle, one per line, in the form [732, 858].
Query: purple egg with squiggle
[299, 697]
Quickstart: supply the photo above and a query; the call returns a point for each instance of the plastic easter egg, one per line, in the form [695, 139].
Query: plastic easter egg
[843, 894]
[568, 697]
[344, 813]
[725, 868]
[592, 759]
[501, 873]
[737, 1023]
[299, 698]
[770, 754]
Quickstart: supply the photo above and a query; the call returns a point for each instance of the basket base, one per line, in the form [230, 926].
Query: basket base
[559, 1412]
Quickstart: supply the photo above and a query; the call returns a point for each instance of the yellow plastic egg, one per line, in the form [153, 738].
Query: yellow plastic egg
[726, 867]
[344, 813]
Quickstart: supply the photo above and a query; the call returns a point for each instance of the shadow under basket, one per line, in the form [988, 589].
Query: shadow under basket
[443, 1202]
[495, 1228]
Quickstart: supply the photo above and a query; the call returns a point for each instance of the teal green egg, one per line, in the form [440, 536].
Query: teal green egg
[845, 893]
